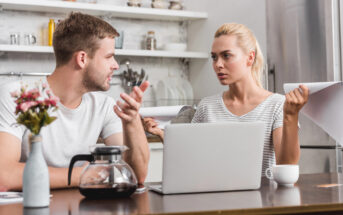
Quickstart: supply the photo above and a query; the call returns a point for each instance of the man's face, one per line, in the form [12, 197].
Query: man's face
[99, 71]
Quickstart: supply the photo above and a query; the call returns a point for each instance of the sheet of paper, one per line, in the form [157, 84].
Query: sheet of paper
[313, 87]
[163, 114]
[324, 106]
[10, 197]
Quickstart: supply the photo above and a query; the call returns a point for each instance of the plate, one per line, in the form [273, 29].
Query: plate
[187, 87]
[161, 93]
[172, 94]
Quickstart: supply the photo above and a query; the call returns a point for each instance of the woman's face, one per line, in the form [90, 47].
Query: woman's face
[230, 62]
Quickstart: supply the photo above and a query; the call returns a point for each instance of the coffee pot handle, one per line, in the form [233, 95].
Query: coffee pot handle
[76, 158]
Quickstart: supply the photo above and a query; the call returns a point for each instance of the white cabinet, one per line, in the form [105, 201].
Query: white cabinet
[155, 163]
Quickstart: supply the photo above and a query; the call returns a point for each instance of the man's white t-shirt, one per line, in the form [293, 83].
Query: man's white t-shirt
[74, 130]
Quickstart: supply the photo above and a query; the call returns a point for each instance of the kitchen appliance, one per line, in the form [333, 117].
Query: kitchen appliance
[107, 175]
[303, 46]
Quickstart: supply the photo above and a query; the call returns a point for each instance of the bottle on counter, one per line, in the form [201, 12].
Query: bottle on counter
[151, 41]
[51, 30]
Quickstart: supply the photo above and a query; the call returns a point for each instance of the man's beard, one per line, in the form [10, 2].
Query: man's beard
[90, 83]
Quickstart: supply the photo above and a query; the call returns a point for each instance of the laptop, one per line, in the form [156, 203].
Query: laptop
[211, 157]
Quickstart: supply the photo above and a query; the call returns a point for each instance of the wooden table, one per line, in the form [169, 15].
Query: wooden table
[308, 196]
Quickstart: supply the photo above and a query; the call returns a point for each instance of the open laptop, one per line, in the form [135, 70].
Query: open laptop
[210, 157]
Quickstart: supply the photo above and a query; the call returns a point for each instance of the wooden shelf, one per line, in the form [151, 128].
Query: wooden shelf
[101, 10]
[119, 52]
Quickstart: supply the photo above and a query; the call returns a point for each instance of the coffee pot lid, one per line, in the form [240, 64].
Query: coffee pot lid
[102, 149]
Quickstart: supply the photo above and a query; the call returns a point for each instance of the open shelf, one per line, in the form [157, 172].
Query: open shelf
[101, 10]
[119, 52]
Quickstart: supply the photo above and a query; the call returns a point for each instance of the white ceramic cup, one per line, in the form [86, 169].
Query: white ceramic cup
[285, 175]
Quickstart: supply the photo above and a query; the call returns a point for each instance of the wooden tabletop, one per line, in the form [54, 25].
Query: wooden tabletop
[314, 193]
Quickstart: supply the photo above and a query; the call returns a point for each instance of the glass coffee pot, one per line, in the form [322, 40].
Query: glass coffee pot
[107, 175]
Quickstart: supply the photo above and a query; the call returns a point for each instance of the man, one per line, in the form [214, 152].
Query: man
[84, 51]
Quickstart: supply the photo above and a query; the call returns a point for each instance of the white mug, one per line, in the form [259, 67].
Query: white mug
[285, 175]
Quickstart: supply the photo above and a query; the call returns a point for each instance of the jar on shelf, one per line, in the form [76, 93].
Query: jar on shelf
[175, 5]
[161, 4]
[150, 41]
[134, 3]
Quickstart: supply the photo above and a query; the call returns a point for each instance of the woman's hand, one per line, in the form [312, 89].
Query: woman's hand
[128, 110]
[287, 151]
[295, 100]
[151, 126]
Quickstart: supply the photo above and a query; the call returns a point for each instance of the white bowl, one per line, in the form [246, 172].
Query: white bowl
[175, 46]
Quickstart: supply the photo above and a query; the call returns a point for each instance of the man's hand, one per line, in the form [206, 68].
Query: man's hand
[295, 100]
[133, 133]
[128, 110]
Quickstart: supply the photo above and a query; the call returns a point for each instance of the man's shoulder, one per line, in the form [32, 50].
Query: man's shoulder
[10, 86]
[16, 85]
[6, 90]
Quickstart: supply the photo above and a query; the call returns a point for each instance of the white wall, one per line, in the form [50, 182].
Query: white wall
[134, 35]
[200, 35]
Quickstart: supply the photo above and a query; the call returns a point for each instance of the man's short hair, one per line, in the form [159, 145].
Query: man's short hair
[79, 32]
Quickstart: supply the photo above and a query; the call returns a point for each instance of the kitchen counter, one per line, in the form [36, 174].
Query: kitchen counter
[320, 193]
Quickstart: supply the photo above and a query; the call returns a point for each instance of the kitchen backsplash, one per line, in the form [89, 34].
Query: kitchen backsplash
[134, 34]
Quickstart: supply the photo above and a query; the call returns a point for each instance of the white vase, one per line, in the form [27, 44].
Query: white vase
[36, 188]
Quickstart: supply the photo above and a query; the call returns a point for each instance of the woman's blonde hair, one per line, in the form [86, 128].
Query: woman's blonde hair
[248, 42]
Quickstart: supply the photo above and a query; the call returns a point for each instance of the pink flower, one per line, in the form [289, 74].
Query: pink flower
[15, 94]
[33, 91]
[27, 105]
[54, 100]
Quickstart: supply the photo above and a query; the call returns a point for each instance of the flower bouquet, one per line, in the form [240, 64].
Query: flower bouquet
[32, 108]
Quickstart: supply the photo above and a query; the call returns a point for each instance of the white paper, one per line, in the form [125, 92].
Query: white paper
[313, 87]
[163, 114]
[324, 106]
[10, 197]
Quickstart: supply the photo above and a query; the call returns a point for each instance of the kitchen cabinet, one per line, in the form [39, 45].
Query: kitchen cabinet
[104, 10]
[155, 162]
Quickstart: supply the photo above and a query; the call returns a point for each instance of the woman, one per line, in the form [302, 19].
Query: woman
[238, 62]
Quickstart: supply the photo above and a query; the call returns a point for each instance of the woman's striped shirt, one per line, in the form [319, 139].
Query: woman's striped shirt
[270, 111]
